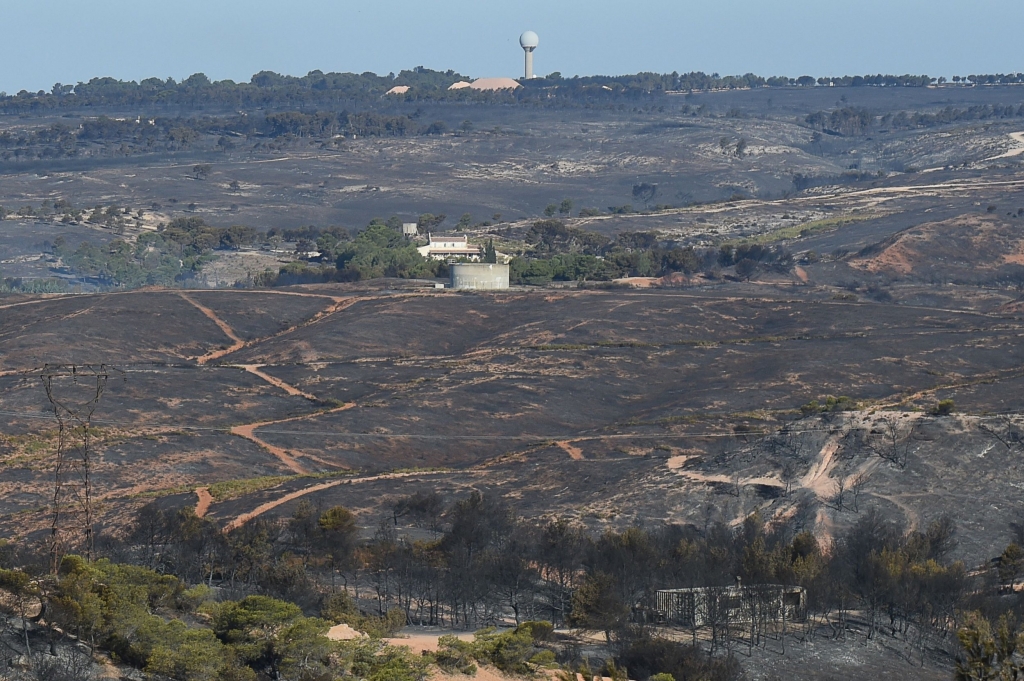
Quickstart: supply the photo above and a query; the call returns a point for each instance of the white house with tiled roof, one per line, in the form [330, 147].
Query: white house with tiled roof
[449, 246]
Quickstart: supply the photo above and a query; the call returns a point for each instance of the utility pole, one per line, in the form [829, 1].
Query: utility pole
[74, 390]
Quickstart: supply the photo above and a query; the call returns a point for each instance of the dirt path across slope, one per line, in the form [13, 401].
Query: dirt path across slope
[1017, 137]
[913, 519]
[575, 453]
[37, 301]
[676, 463]
[247, 431]
[203, 501]
[291, 496]
[256, 370]
[237, 343]
[338, 303]
[873, 196]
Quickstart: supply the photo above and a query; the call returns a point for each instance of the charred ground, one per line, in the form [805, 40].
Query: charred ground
[687, 403]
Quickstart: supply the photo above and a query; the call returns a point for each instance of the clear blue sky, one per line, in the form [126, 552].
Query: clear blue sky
[46, 41]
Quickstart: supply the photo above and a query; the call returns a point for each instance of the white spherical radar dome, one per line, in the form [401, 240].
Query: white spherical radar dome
[529, 39]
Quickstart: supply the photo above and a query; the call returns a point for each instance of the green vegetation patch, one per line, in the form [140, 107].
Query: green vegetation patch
[231, 489]
[810, 228]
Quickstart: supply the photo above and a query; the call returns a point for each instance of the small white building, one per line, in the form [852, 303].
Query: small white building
[450, 246]
[409, 229]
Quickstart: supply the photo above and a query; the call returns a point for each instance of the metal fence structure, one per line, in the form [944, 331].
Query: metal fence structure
[710, 605]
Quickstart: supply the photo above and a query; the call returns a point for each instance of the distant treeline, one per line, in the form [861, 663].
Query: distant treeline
[131, 136]
[849, 121]
[172, 255]
[110, 136]
[268, 89]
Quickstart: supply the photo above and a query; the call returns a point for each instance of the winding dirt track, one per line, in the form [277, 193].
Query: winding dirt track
[247, 431]
[256, 370]
[575, 453]
[203, 501]
[1017, 137]
[338, 303]
[271, 505]
[237, 343]
[676, 464]
[913, 519]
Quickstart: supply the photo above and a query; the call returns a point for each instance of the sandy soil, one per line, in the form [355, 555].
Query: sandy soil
[420, 642]
[204, 499]
[575, 453]
[482, 674]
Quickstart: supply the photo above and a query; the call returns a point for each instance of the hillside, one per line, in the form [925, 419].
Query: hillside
[758, 334]
[964, 249]
[669, 398]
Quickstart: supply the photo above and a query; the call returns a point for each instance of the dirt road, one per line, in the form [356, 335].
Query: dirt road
[271, 505]
[236, 342]
[203, 501]
[256, 370]
[247, 431]
[1018, 138]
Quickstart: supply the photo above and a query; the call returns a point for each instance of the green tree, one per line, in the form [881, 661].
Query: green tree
[428, 221]
[303, 649]
[550, 210]
[988, 655]
[509, 651]
[23, 595]
[1011, 564]
[565, 207]
[253, 626]
[339, 534]
[379, 251]
[193, 655]
[596, 604]
[490, 255]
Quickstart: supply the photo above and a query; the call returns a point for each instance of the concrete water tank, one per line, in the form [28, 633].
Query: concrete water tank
[479, 276]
